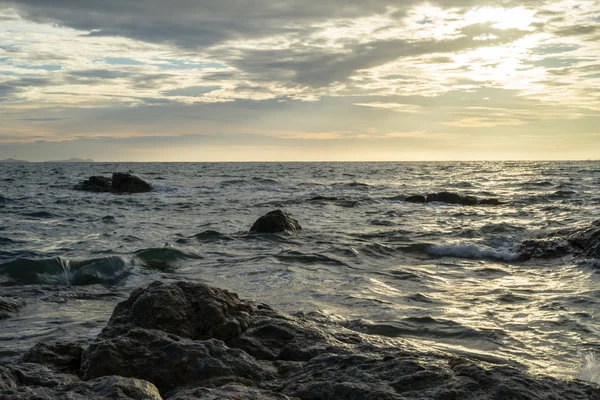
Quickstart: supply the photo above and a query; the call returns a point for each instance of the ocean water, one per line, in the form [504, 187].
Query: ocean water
[447, 276]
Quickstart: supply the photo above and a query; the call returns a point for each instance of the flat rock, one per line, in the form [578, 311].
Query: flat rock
[275, 221]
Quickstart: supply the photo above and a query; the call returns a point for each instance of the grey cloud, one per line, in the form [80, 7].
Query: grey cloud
[577, 30]
[317, 68]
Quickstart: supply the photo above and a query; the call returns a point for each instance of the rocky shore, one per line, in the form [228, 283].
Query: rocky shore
[192, 341]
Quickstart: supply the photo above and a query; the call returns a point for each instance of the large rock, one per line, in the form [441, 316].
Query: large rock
[128, 183]
[451, 198]
[61, 356]
[416, 199]
[275, 221]
[188, 310]
[582, 240]
[119, 183]
[8, 307]
[171, 362]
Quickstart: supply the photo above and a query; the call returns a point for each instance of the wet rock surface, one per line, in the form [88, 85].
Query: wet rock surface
[582, 241]
[119, 183]
[453, 198]
[143, 354]
[61, 356]
[275, 221]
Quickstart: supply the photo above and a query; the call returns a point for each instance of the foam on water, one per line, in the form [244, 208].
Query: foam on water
[590, 368]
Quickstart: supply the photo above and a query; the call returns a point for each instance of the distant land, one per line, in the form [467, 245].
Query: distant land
[70, 160]
[13, 161]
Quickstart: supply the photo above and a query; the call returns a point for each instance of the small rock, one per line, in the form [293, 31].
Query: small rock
[275, 221]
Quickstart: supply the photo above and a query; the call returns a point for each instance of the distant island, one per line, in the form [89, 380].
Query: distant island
[71, 160]
[13, 161]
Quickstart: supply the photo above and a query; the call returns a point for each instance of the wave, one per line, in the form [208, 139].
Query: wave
[64, 271]
[4, 199]
[472, 251]
[590, 368]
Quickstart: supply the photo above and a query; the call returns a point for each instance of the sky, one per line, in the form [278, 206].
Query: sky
[291, 80]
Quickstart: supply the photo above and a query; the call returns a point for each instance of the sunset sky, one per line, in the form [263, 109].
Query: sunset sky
[263, 80]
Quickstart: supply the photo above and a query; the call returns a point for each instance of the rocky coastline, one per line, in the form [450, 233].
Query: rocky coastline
[192, 341]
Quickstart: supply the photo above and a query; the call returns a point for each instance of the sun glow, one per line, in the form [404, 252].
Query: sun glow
[502, 18]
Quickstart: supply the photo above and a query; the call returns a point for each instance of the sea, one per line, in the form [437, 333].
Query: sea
[449, 277]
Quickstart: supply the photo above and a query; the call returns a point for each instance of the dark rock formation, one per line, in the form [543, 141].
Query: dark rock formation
[8, 307]
[171, 362]
[451, 198]
[583, 240]
[271, 356]
[61, 356]
[119, 183]
[95, 184]
[275, 221]
[322, 199]
[416, 199]
[194, 311]
[490, 202]
[128, 183]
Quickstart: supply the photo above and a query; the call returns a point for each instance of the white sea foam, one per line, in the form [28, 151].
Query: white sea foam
[590, 368]
[471, 251]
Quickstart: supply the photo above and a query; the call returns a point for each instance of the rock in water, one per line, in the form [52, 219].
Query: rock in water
[416, 199]
[490, 202]
[452, 198]
[128, 183]
[582, 240]
[95, 184]
[120, 183]
[275, 221]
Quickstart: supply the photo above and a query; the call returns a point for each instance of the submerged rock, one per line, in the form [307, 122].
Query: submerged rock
[451, 198]
[583, 240]
[275, 221]
[272, 356]
[119, 183]
[416, 199]
[8, 307]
